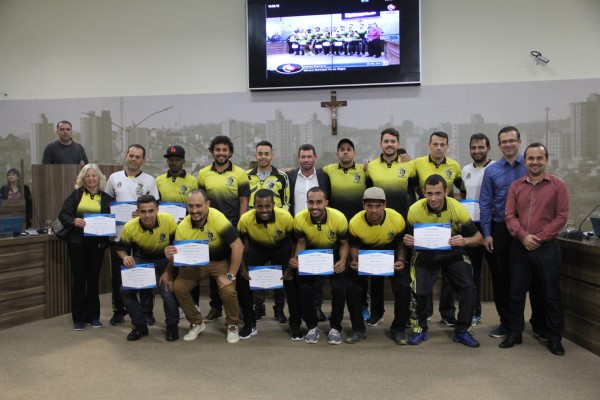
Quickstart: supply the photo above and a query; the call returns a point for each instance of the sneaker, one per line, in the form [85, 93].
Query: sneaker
[279, 315]
[150, 320]
[79, 326]
[320, 315]
[194, 331]
[356, 337]
[467, 339]
[233, 335]
[476, 320]
[247, 331]
[137, 333]
[499, 332]
[374, 320]
[334, 337]
[117, 318]
[172, 333]
[365, 313]
[450, 321]
[259, 312]
[296, 333]
[213, 315]
[95, 323]
[539, 335]
[181, 313]
[312, 336]
[416, 338]
[399, 338]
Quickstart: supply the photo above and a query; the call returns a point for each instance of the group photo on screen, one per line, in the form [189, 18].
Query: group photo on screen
[332, 41]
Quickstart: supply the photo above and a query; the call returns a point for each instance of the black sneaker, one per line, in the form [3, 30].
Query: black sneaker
[172, 333]
[539, 335]
[248, 331]
[296, 333]
[117, 318]
[450, 321]
[374, 320]
[279, 315]
[259, 312]
[137, 333]
[150, 320]
[320, 315]
[213, 315]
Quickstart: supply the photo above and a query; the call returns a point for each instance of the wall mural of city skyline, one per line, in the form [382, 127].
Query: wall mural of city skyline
[563, 114]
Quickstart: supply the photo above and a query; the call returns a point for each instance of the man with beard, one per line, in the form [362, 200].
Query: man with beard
[228, 190]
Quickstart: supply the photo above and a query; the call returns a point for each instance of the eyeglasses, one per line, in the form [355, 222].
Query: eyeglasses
[508, 141]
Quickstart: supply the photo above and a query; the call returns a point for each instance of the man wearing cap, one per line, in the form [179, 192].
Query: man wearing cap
[441, 212]
[176, 184]
[377, 228]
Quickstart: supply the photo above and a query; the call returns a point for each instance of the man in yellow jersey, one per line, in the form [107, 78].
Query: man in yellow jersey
[320, 227]
[266, 176]
[176, 183]
[445, 215]
[228, 190]
[143, 241]
[225, 252]
[437, 163]
[378, 228]
[267, 234]
[397, 178]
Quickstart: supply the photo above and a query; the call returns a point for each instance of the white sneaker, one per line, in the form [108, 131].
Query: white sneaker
[233, 335]
[334, 337]
[195, 330]
[312, 336]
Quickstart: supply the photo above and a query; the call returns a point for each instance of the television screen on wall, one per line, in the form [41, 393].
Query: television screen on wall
[294, 44]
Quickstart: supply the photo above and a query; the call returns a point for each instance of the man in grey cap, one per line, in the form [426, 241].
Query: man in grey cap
[377, 228]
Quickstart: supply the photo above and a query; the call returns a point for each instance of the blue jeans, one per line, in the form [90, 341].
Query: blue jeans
[135, 306]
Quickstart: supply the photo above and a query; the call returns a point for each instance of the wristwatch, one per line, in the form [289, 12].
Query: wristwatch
[231, 277]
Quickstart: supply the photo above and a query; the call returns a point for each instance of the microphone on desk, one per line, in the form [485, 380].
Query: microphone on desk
[578, 234]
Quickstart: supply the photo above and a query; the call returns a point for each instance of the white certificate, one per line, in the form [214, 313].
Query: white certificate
[432, 236]
[315, 262]
[191, 253]
[266, 277]
[99, 225]
[472, 207]
[141, 276]
[122, 210]
[376, 262]
[177, 210]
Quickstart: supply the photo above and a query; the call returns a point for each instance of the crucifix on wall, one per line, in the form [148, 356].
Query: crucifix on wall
[333, 106]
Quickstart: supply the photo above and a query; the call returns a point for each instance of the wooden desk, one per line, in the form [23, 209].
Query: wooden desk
[580, 284]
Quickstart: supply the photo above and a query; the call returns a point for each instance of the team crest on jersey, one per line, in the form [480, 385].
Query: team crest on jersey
[330, 234]
[468, 176]
[139, 190]
[401, 172]
[448, 174]
[162, 237]
[229, 181]
[119, 184]
[183, 189]
[278, 233]
[270, 185]
[209, 236]
[357, 178]
[391, 235]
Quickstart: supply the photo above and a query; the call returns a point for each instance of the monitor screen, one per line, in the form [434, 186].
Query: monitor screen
[332, 43]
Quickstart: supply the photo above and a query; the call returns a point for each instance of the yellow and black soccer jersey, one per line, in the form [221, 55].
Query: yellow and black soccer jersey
[372, 237]
[89, 204]
[267, 235]
[224, 189]
[323, 235]
[176, 188]
[217, 230]
[448, 169]
[452, 213]
[149, 243]
[347, 188]
[277, 182]
[395, 178]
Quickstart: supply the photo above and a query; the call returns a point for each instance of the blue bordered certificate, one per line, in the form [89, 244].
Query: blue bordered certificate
[191, 253]
[472, 207]
[177, 210]
[265, 277]
[432, 236]
[140, 276]
[376, 262]
[315, 262]
[122, 210]
[99, 225]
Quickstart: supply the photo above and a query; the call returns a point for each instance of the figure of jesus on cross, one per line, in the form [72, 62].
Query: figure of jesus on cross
[333, 105]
